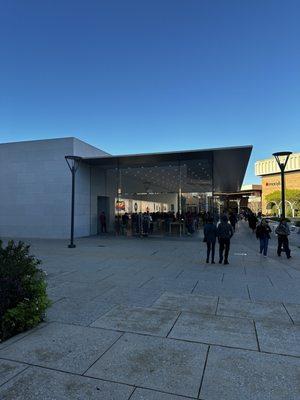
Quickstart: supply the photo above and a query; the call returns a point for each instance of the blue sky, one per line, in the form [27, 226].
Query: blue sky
[160, 75]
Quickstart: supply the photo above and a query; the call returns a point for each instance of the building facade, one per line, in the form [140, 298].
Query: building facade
[269, 172]
[35, 185]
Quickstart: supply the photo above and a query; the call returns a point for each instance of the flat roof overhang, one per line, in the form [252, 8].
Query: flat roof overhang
[229, 163]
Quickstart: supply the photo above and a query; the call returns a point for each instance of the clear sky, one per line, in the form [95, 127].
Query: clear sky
[134, 76]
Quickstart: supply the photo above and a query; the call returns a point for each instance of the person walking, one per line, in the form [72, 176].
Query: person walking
[263, 231]
[233, 220]
[224, 234]
[283, 232]
[252, 220]
[210, 236]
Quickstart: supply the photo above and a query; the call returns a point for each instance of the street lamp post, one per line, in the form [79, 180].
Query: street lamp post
[73, 164]
[282, 158]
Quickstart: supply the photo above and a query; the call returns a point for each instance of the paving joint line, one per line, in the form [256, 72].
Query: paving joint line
[192, 291]
[69, 373]
[256, 335]
[164, 392]
[177, 276]
[132, 393]
[203, 372]
[180, 312]
[144, 283]
[122, 334]
[248, 291]
[31, 331]
[100, 316]
[287, 273]
[293, 322]
[12, 377]
[217, 305]
[270, 280]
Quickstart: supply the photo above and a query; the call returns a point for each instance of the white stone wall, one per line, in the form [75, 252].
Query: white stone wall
[35, 189]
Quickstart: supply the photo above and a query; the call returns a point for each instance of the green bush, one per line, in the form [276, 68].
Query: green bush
[23, 297]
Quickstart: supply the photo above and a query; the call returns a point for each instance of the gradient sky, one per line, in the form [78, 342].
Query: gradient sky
[134, 76]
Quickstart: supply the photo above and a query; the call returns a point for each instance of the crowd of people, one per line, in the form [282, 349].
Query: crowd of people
[146, 223]
[216, 228]
[224, 231]
[263, 231]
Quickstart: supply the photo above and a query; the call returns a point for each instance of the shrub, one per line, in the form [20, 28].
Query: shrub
[23, 297]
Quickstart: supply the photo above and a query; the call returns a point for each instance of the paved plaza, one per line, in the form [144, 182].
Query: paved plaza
[148, 319]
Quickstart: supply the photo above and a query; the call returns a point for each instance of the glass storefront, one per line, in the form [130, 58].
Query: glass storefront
[156, 197]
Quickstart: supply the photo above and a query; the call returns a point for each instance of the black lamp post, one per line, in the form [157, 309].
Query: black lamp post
[73, 163]
[282, 158]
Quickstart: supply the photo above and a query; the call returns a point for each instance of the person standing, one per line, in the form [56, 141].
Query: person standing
[103, 222]
[283, 232]
[210, 236]
[263, 234]
[224, 234]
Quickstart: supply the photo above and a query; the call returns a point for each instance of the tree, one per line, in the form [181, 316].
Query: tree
[292, 197]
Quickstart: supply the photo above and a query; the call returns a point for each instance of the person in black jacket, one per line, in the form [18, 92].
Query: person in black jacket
[224, 233]
[233, 220]
[252, 220]
[283, 232]
[210, 236]
[263, 234]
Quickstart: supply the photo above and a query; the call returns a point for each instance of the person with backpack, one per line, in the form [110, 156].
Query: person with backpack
[224, 234]
[263, 234]
[210, 236]
[283, 231]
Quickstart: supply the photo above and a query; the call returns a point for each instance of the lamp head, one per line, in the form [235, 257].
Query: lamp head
[73, 161]
[282, 158]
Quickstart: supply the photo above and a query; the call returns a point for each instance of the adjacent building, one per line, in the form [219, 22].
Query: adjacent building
[269, 171]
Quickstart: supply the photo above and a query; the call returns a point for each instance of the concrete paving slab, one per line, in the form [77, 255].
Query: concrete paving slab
[60, 346]
[211, 329]
[8, 369]
[79, 290]
[187, 302]
[171, 284]
[42, 384]
[279, 338]
[264, 294]
[150, 321]
[233, 374]
[139, 297]
[259, 311]
[146, 394]
[155, 363]
[76, 311]
[220, 289]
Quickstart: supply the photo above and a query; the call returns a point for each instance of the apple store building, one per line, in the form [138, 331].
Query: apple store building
[113, 194]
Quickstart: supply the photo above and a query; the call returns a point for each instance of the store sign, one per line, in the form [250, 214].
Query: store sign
[273, 183]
